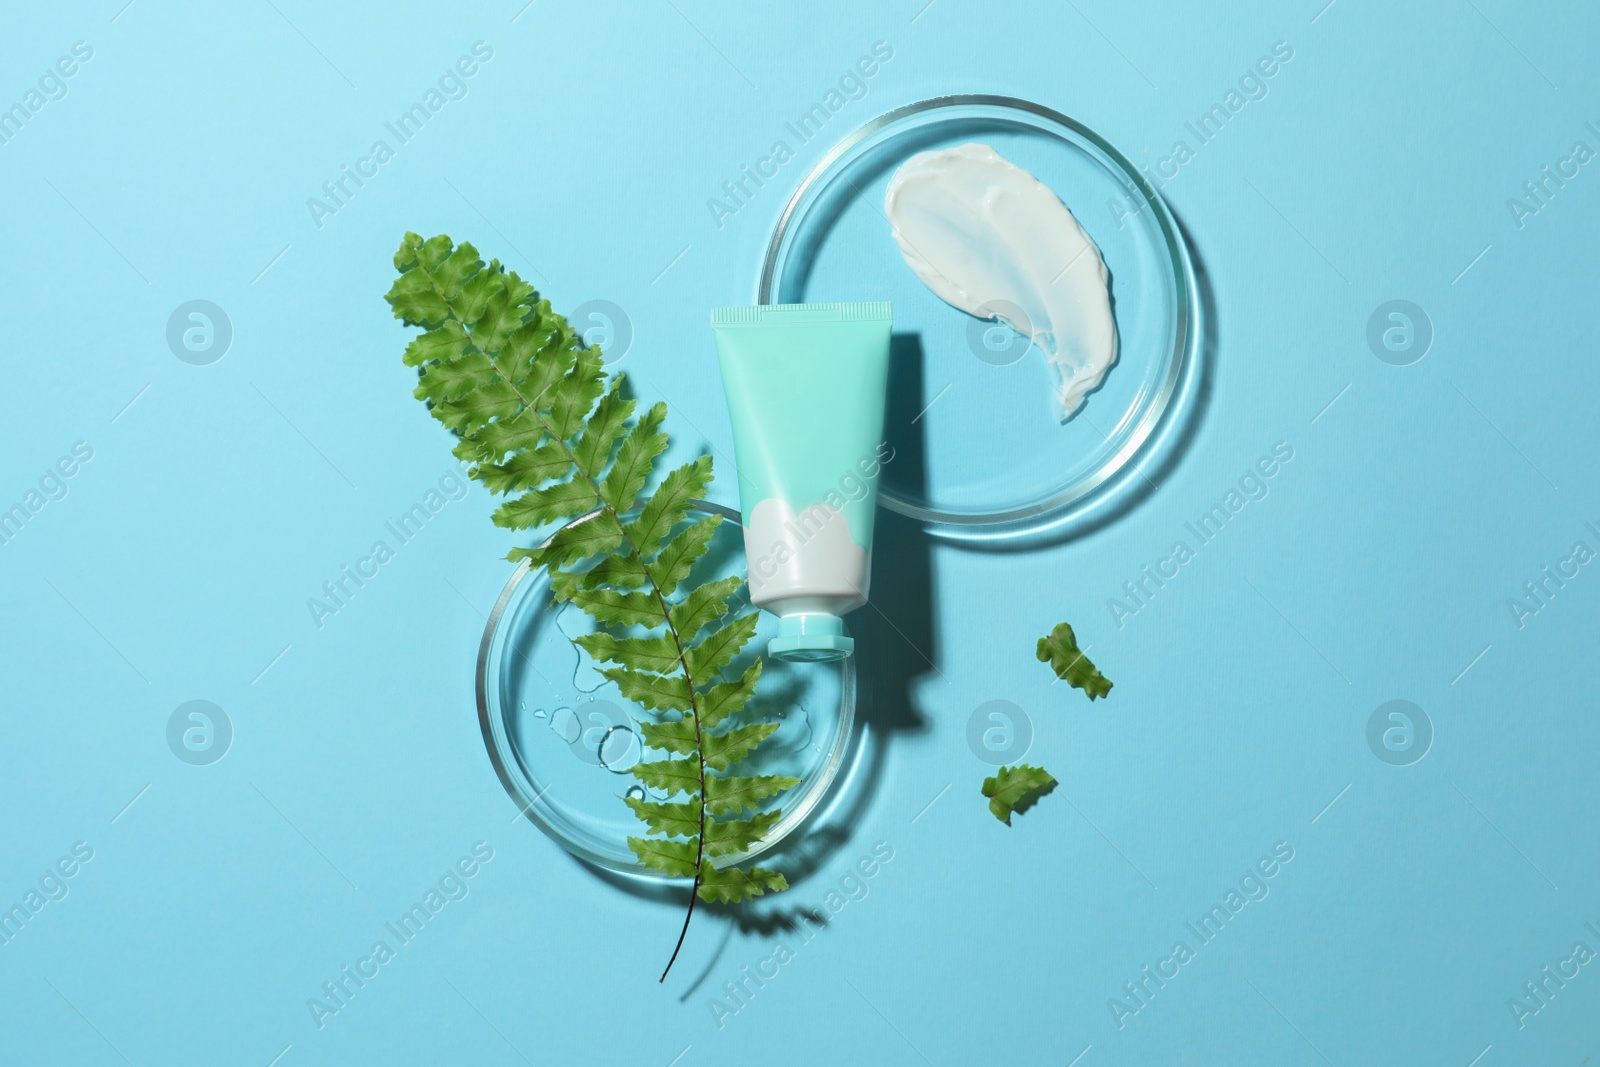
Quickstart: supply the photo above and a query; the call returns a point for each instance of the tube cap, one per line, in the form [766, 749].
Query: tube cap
[811, 638]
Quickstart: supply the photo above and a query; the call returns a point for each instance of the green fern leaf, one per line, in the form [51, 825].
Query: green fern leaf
[613, 608]
[707, 659]
[528, 469]
[502, 313]
[673, 858]
[678, 737]
[725, 749]
[445, 344]
[654, 691]
[727, 698]
[679, 555]
[727, 795]
[703, 605]
[605, 428]
[724, 837]
[669, 504]
[635, 459]
[658, 652]
[670, 776]
[597, 534]
[540, 506]
[673, 820]
[729, 885]
[541, 423]
[623, 572]
[575, 394]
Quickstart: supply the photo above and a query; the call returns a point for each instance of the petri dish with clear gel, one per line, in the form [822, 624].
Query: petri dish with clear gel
[979, 448]
[563, 739]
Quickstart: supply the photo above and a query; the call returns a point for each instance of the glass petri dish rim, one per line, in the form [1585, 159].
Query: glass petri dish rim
[793, 818]
[1082, 491]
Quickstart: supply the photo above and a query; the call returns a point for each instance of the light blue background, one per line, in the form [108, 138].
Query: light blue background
[1379, 567]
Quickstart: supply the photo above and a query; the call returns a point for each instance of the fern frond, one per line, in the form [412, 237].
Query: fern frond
[545, 427]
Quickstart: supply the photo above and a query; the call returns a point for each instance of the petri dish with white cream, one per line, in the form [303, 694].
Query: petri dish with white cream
[1046, 317]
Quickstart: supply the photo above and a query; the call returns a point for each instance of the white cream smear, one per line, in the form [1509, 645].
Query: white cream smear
[992, 240]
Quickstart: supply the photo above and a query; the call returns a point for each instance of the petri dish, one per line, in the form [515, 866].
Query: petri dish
[978, 443]
[563, 739]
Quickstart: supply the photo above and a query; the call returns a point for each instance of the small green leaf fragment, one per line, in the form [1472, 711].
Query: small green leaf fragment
[1016, 789]
[1060, 650]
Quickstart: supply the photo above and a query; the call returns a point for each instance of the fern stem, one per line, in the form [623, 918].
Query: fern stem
[655, 589]
[693, 896]
[700, 751]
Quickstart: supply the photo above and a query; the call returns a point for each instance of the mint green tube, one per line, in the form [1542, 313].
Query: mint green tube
[806, 388]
